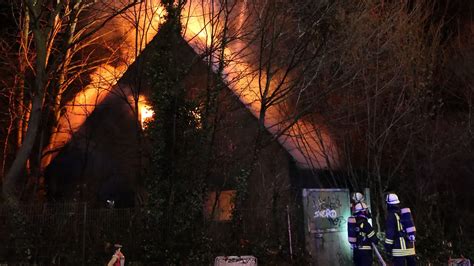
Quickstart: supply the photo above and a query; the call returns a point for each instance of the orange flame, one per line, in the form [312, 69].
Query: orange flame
[83, 104]
[145, 112]
[139, 25]
[309, 144]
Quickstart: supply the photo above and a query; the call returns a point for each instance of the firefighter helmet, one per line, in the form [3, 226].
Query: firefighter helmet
[392, 198]
[358, 197]
[360, 207]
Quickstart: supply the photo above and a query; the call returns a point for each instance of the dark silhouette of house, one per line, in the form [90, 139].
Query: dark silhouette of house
[107, 158]
[103, 159]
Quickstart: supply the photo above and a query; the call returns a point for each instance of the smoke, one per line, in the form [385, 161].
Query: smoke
[269, 53]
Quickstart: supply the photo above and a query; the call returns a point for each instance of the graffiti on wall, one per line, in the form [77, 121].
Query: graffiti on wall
[327, 207]
[326, 210]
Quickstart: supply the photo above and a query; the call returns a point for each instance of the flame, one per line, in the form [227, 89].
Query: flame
[203, 22]
[145, 112]
[84, 103]
[308, 142]
[139, 25]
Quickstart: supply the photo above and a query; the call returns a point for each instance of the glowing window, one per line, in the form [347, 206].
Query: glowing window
[146, 113]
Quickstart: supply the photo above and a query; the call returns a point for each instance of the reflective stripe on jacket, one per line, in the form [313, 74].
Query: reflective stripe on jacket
[366, 234]
[395, 240]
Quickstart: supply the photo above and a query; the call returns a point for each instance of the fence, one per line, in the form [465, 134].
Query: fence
[76, 234]
[67, 234]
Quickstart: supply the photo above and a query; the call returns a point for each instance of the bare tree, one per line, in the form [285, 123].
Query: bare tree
[63, 35]
[391, 51]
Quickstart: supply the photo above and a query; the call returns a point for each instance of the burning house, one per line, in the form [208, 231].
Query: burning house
[306, 100]
[104, 157]
[97, 144]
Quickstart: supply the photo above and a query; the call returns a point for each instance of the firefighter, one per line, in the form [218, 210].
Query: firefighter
[400, 232]
[357, 197]
[364, 236]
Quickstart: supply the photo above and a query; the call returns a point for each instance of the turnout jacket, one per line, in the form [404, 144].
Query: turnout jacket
[396, 240]
[366, 234]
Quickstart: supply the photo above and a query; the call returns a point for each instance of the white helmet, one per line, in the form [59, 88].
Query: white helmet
[360, 207]
[392, 198]
[358, 197]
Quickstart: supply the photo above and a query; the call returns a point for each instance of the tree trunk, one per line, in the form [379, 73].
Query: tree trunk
[24, 152]
[34, 123]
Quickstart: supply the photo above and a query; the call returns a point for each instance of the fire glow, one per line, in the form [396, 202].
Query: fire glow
[146, 113]
[309, 144]
[138, 25]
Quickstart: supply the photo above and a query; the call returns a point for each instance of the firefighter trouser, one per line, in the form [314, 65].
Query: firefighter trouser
[405, 260]
[362, 257]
